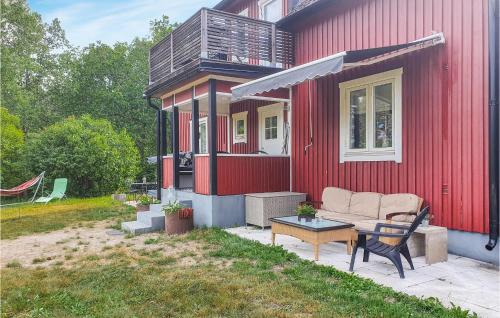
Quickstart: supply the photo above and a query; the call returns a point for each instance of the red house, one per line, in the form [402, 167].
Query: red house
[390, 96]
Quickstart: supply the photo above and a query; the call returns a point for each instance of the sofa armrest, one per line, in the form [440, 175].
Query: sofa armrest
[315, 204]
[389, 216]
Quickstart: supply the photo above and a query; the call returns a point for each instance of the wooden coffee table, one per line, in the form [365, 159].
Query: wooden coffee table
[316, 232]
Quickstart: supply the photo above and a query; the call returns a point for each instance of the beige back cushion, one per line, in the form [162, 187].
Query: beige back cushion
[336, 200]
[365, 204]
[401, 202]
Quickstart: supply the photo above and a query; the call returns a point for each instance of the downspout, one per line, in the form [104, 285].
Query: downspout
[158, 147]
[493, 120]
[310, 117]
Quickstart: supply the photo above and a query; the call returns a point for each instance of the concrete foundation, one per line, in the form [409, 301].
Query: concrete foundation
[471, 245]
[210, 210]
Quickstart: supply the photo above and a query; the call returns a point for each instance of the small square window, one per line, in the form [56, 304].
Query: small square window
[240, 127]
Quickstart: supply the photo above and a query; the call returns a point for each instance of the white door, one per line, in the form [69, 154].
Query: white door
[271, 129]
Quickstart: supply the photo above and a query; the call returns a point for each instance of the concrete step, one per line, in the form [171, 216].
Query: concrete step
[136, 227]
[156, 220]
[155, 208]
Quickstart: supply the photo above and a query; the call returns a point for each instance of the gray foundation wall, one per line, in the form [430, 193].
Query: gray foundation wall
[472, 245]
[211, 210]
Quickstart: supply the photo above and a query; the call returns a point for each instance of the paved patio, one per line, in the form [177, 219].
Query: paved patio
[464, 282]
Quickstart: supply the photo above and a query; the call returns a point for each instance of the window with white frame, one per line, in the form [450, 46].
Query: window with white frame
[240, 127]
[370, 118]
[203, 133]
[271, 10]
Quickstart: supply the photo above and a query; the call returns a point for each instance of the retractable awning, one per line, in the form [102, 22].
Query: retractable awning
[330, 65]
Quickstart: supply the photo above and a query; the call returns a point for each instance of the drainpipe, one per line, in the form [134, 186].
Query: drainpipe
[493, 121]
[158, 147]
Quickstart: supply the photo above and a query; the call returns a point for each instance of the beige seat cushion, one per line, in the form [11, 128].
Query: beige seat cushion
[401, 202]
[366, 204]
[336, 199]
[342, 217]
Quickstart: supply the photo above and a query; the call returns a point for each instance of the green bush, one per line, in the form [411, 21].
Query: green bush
[95, 158]
[12, 147]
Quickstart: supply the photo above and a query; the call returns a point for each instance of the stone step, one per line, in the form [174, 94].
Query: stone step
[136, 228]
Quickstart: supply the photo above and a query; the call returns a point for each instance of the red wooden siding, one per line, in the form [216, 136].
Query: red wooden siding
[185, 134]
[202, 175]
[238, 175]
[445, 137]
[168, 174]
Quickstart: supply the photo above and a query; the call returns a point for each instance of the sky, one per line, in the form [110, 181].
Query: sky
[110, 21]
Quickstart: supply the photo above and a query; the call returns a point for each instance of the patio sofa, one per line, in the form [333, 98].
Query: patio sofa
[366, 209]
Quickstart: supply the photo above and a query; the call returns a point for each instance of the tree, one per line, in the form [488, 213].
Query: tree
[96, 159]
[12, 147]
[159, 29]
[30, 63]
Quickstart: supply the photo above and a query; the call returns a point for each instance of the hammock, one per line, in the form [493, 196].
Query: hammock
[20, 189]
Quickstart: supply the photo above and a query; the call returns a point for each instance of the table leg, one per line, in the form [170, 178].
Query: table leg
[316, 251]
[349, 246]
[273, 237]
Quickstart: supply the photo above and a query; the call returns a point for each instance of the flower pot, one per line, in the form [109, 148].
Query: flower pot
[142, 207]
[180, 222]
[122, 197]
[307, 218]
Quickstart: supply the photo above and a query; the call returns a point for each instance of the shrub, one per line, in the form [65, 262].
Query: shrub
[95, 158]
[12, 147]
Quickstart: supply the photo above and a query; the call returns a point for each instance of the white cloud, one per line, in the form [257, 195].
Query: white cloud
[113, 21]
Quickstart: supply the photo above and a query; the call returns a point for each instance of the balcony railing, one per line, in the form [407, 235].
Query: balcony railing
[221, 36]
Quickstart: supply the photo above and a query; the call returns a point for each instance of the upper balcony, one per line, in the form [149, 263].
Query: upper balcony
[219, 41]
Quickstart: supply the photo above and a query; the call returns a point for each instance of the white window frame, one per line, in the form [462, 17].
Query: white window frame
[244, 12]
[370, 153]
[238, 139]
[203, 120]
[263, 3]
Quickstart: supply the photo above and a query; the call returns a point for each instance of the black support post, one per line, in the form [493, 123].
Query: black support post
[159, 176]
[163, 133]
[175, 145]
[195, 134]
[212, 134]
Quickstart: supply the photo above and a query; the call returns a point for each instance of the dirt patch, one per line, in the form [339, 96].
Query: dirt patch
[101, 245]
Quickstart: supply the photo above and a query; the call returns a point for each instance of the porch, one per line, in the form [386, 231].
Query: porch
[231, 148]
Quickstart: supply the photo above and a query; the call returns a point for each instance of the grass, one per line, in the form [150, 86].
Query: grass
[35, 218]
[228, 277]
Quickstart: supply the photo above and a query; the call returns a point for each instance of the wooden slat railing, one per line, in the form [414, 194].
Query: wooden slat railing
[221, 36]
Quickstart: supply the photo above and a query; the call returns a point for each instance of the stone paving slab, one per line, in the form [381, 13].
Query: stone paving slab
[465, 282]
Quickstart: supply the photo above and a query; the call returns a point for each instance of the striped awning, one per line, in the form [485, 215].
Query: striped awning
[330, 65]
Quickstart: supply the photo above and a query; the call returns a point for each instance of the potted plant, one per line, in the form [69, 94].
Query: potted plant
[306, 211]
[144, 202]
[178, 218]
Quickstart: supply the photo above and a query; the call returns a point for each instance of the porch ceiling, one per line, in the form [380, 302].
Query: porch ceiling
[223, 102]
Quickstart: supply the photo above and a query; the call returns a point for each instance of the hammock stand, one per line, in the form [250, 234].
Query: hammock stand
[22, 188]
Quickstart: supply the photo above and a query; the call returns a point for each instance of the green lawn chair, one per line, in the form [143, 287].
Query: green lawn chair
[58, 192]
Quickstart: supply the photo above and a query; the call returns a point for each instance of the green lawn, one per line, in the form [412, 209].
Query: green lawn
[35, 218]
[208, 273]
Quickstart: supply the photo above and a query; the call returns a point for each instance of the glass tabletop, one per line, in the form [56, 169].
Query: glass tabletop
[316, 224]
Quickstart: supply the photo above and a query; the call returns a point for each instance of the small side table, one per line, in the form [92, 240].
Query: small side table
[259, 207]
